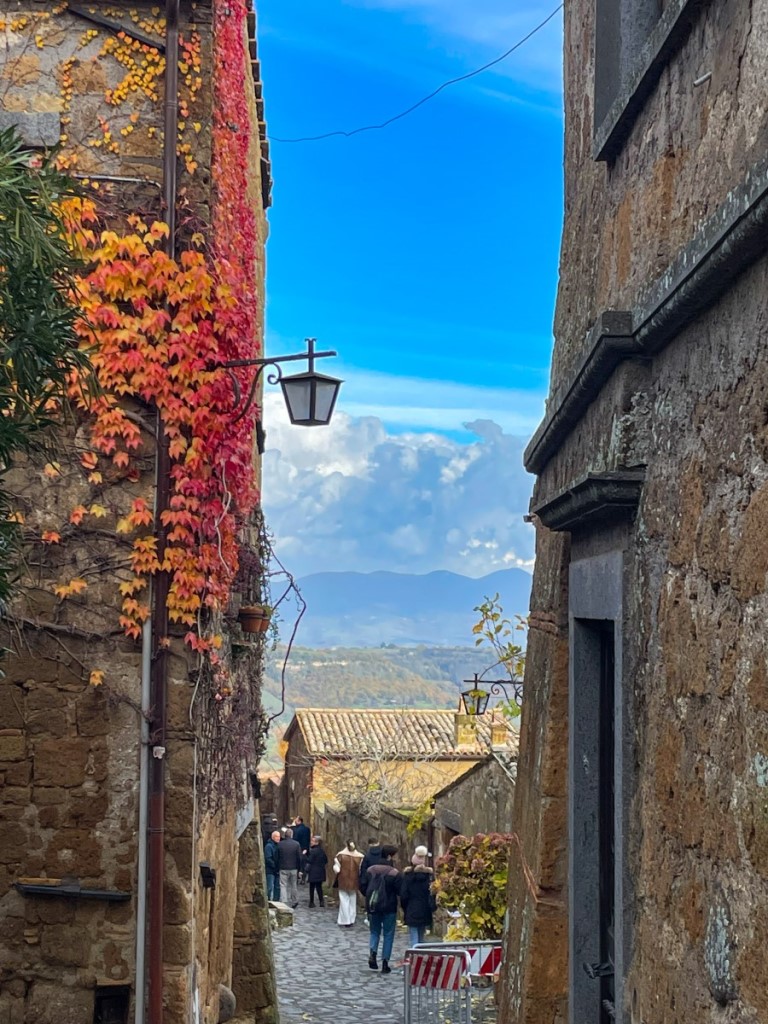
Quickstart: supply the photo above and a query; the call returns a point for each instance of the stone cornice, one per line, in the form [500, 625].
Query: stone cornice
[722, 249]
[596, 497]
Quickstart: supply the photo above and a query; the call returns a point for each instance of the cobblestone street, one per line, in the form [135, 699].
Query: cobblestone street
[323, 975]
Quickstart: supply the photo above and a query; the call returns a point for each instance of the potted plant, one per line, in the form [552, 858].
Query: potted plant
[254, 618]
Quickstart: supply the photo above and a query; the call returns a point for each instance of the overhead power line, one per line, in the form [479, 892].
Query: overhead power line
[421, 102]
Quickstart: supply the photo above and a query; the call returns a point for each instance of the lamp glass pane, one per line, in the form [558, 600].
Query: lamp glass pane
[325, 399]
[298, 394]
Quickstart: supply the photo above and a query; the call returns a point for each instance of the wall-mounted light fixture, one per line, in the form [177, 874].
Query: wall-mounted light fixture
[310, 397]
[476, 699]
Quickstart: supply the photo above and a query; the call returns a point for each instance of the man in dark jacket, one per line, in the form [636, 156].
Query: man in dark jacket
[272, 867]
[382, 886]
[317, 864]
[289, 861]
[302, 835]
[372, 856]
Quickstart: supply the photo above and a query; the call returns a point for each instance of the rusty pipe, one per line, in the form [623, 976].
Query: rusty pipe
[159, 613]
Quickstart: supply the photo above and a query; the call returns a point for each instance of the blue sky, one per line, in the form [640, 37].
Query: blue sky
[426, 254]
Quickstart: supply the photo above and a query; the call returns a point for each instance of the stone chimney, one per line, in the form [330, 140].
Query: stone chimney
[464, 730]
[499, 733]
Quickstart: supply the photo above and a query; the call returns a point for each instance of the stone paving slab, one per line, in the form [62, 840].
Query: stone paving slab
[323, 975]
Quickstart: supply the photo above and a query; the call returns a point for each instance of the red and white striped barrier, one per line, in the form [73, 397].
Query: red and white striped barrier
[444, 971]
[485, 959]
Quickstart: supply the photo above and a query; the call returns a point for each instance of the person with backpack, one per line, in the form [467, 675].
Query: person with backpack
[382, 887]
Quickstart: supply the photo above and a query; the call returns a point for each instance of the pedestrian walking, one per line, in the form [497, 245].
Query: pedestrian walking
[303, 836]
[416, 897]
[271, 866]
[382, 887]
[372, 856]
[346, 866]
[317, 864]
[289, 862]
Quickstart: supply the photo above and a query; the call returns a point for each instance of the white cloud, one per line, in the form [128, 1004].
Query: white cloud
[353, 496]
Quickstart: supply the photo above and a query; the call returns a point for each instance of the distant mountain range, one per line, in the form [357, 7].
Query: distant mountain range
[354, 609]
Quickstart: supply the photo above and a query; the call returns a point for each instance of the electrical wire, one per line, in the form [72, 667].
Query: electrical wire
[421, 102]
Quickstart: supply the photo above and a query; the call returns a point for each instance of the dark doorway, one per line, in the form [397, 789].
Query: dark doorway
[606, 803]
[111, 1004]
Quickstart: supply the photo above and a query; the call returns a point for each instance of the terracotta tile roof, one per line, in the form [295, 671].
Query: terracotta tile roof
[405, 732]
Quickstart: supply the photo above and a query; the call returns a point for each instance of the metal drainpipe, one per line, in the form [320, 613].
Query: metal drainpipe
[159, 617]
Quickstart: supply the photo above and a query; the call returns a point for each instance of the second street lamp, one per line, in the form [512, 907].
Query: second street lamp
[476, 700]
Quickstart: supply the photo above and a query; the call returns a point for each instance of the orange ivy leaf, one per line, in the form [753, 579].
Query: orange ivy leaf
[77, 514]
[96, 677]
[51, 537]
[75, 586]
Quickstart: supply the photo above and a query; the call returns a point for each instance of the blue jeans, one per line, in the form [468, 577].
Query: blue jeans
[273, 887]
[379, 923]
[416, 933]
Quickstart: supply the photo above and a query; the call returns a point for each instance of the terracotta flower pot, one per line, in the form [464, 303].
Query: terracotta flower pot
[254, 618]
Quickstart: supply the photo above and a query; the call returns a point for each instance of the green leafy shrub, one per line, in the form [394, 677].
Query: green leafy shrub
[472, 879]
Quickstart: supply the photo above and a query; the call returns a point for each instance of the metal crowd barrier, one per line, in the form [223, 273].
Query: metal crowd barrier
[438, 987]
[450, 981]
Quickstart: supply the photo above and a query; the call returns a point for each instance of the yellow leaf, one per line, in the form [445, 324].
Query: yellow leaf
[52, 469]
[96, 677]
[98, 510]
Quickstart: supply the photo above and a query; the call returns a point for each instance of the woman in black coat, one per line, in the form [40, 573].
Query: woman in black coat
[417, 901]
[316, 864]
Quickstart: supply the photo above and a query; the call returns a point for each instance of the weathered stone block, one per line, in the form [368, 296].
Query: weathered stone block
[177, 944]
[283, 914]
[64, 944]
[61, 762]
[13, 747]
[52, 1003]
[10, 707]
[19, 774]
[75, 851]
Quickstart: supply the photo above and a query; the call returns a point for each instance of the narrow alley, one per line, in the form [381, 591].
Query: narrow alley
[323, 975]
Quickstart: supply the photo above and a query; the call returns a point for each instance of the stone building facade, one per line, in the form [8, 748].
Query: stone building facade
[480, 801]
[642, 795]
[76, 727]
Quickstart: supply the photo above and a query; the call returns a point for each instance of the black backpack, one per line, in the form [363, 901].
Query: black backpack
[377, 892]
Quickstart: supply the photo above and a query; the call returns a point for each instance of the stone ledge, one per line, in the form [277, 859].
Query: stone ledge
[726, 245]
[596, 497]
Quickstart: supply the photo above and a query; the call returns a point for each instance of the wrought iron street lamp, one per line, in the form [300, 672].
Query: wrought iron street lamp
[476, 699]
[310, 397]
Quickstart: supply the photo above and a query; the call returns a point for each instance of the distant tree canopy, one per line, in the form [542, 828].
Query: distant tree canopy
[38, 344]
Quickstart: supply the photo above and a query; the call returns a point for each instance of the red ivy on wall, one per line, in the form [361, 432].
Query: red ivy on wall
[157, 327]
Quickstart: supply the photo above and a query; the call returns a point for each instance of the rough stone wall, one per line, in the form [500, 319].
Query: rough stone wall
[336, 826]
[481, 801]
[253, 979]
[700, 840]
[69, 753]
[690, 145]
[534, 982]
[695, 656]
[297, 784]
